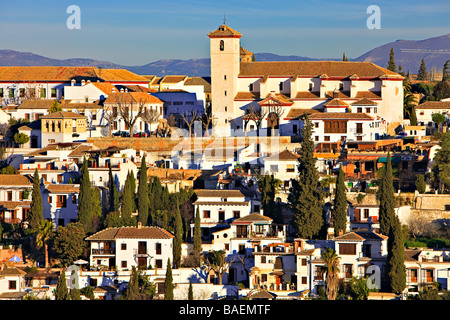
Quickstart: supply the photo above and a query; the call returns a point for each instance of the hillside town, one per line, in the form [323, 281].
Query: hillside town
[280, 180]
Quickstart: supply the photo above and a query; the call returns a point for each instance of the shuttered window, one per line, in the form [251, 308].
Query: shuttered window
[347, 248]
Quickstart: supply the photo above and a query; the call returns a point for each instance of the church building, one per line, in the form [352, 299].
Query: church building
[346, 100]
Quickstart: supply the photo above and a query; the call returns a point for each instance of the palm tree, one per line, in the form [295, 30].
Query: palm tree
[409, 103]
[331, 265]
[43, 235]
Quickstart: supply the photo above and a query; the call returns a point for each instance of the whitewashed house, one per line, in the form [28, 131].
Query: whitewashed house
[125, 247]
[15, 198]
[60, 202]
[12, 283]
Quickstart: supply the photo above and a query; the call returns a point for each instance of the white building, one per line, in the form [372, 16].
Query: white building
[12, 283]
[60, 202]
[126, 247]
[238, 85]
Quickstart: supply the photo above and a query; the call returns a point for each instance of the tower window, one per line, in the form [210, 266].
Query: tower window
[222, 45]
[251, 86]
[224, 77]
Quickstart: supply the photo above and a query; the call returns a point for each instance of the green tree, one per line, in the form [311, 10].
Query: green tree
[85, 198]
[331, 263]
[168, 282]
[113, 193]
[190, 292]
[143, 200]
[55, 107]
[421, 184]
[306, 197]
[21, 138]
[132, 292]
[446, 71]
[36, 208]
[442, 161]
[422, 74]
[386, 197]
[359, 288]
[391, 63]
[409, 103]
[61, 292]
[396, 257]
[197, 238]
[178, 240]
[68, 242]
[128, 203]
[267, 186]
[96, 209]
[438, 118]
[43, 235]
[339, 211]
[344, 57]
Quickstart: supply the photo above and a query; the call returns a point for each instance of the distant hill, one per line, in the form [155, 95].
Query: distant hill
[408, 53]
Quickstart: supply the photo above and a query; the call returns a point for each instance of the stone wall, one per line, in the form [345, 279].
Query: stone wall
[432, 201]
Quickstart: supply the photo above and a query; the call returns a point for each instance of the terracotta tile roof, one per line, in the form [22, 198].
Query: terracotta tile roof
[364, 102]
[106, 289]
[307, 95]
[135, 88]
[131, 233]
[247, 96]
[368, 94]
[80, 150]
[36, 104]
[131, 97]
[361, 236]
[63, 115]
[173, 79]
[434, 105]
[338, 69]
[340, 115]
[66, 74]
[63, 188]
[295, 113]
[262, 294]
[222, 203]
[195, 81]
[105, 87]
[219, 193]
[224, 31]
[14, 180]
[277, 98]
[412, 255]
[245, 52]
[11, 271]
[336, 102]
[253, 217]
[285, 155]
[81, 105]
[12, 205]
[351, 236]
[339, 94]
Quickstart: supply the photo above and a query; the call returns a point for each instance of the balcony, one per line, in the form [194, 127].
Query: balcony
[109, 251]
[11, 220]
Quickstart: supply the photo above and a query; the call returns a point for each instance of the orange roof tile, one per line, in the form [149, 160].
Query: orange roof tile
[224, 31]
[131, 97]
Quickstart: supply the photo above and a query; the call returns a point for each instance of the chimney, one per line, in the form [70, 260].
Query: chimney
[139, 225]
[83, 82]
[335, 93]
[113, 90]
[72, 83]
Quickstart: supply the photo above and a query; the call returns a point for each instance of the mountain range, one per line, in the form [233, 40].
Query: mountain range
[408, 53]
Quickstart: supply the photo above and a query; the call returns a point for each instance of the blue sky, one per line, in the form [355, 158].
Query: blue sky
[138, 32]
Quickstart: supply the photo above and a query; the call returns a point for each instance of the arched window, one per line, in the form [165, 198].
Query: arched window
[221, 45]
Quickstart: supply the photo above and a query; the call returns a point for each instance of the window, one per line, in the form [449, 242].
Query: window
[304, 280]
[158, 263]
[158, 248]
[263, 259]
[264, 277]
[236, 214]
[11, 93]
[61, 222]
[225, 93]
[290, 168]
[335, 126]
[316, 124]
[326, 138]
[221, 45]
[250, 87]
[74, 199]
[310, 87]
[9, 194]
[53, 93]
[123, 264]
[12, 284]
[347, 248]
[43, 93]
[341, 86]
[224, 77]
[123, 246]
[274, 167]
[281, 86]
[206, 214]
[303, 262]
[359, 110]
[316, 138]
[366, 213]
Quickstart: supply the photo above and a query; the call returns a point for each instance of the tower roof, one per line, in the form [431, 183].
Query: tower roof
[224, 31]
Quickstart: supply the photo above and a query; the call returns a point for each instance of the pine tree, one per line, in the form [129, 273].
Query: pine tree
[422, 74]
[446, 71]
[339, 212]
[143, 200]
[386, 197]
[85, 198]
[391, 63]
[344, 57]
[168, 283]
[36, 208]
[396, 258]
[178, 240]
[306, 198]
[197, 237]
[62, 293]
[113, 193]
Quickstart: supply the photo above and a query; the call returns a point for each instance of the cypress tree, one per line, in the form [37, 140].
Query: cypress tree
[113, 193]
[178, 240]
[36, 208]
[143, 200]
[422, 74]
[396, 258]
[197, 237]
[85, 198]
[339, 212]
[391, 63]
[127, 207]
[386, 198]
[190, 292]
[62, 293]
[306, 197]
[168, 282]
[133, 286]
[445, 71]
